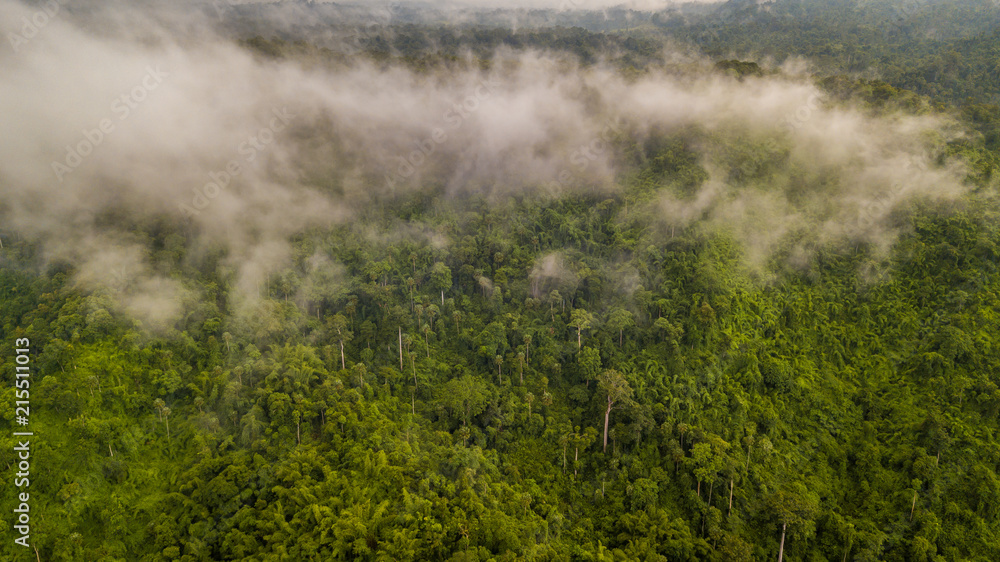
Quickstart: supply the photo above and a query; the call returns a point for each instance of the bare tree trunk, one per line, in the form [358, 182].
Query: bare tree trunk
[730, 497]
[914, 506]
[343, 363]
[781, 549]
[607, 419]
[401, 348]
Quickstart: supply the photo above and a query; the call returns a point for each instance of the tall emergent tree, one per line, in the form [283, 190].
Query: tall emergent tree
[617, 393]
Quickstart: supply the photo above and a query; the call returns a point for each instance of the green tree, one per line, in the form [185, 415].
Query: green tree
[441, 278]
[589, 360]
[466, 395]
[794, 507]
[618, 320]
[617, 392]
[337, 325]
[581, 320]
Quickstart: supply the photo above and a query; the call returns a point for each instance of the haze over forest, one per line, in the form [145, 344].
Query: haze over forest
[541, 280]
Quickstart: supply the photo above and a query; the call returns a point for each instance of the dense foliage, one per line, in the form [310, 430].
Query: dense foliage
[533, 378]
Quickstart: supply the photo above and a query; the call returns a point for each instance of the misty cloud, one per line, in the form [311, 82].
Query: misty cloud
[348, 130]
[552, 273]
